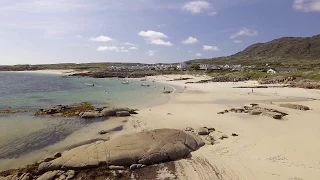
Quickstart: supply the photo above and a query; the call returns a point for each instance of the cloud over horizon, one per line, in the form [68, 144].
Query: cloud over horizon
[154, 37]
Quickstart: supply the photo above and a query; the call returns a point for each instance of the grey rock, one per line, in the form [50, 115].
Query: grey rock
[203, 131]
[108, 112]
[135, 166]
[189, 129]
[112, 167]
[62, 177]
[122, 113]
[224, 136]
[25, 176]
[57, 155]
[90, 115]
[70, 174]
[49, 175]
[255, 112]
[147, 147]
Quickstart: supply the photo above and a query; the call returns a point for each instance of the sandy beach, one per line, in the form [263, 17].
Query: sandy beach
[265, 148]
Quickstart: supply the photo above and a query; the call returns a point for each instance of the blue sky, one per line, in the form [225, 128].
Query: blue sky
[149, 31]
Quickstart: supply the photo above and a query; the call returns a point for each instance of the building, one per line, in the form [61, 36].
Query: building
[205, 67]
[182, 66]
[281, 70]
[271, 71]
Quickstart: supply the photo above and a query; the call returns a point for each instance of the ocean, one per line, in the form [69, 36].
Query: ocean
[22, 134]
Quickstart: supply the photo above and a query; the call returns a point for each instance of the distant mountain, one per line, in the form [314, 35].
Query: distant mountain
[285, 51]
[296, 47]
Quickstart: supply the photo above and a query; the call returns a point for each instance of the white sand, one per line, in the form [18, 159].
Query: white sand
[265, 148]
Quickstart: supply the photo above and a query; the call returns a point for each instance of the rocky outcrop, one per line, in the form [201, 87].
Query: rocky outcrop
[66, 110]
[223, 78]
[12, 111]
[256, 110]
[85, 110]
[295, 106]
[147, 147]
[291, 82]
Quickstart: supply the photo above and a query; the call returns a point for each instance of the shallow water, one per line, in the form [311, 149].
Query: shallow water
[22, 134]
[26, 90]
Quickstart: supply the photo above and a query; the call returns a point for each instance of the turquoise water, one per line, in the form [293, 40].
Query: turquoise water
[26, 90]
[21, 134]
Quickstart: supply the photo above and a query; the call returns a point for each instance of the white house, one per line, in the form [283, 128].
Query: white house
[205, 67]
[271, 71]
[182, 66]
[226, 66]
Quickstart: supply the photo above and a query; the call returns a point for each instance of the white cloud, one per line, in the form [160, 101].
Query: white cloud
[150, 53]
[196, 7]
[244, 32]
[190, 40]
[237, 41]
[133, 48]
[152, 34]
[154, 37]
[112, 48]
[212, 13]
[198, 54]
[210, 48]
[160, 42]
[129, 44]
[101, 39]
[307, 5]
[78, 36]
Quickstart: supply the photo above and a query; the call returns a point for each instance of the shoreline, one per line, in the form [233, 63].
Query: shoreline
[265, 148]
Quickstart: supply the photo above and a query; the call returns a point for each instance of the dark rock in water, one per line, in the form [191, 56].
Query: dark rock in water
[147, 147]
[222, 112]
[102, 132]
[234, 134]
[167, 92]
[66, 110]
[295, 106]
[12, 111]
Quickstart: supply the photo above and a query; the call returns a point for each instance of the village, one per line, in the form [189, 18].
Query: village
[183, 66]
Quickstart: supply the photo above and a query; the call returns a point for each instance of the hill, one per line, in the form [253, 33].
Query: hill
[287, 51]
